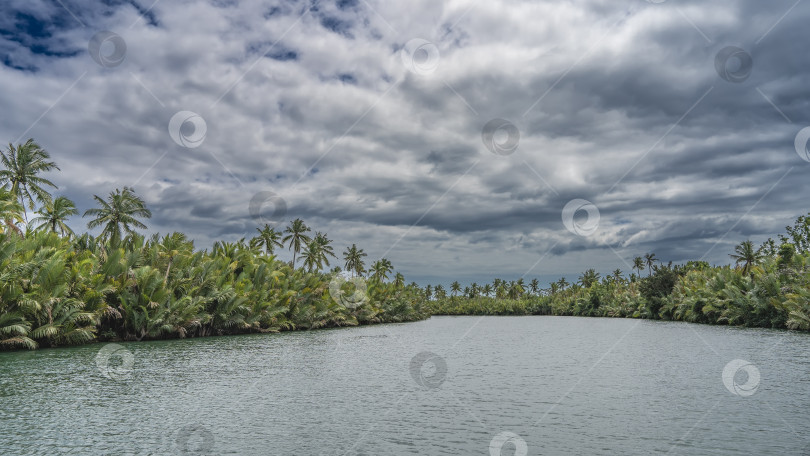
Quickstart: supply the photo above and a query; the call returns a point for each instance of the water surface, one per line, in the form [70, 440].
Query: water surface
[561, 385]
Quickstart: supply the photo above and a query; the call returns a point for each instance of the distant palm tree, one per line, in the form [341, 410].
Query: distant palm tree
[534, 285]
[22, 166]
[268, 238]
[439, 292]
[638, 264]
[354, 260]
[52, 215]
[297, 236]
[589, 277]
[617, 275]
[562, 283]
[121, 210]
[650, 259]
[381, 268]
[455, 288]
[313, 256]
[325, 247]
[747, 255]
[487, 290]
[399, 280]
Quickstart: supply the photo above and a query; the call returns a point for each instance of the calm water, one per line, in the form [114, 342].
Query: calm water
[559, 385]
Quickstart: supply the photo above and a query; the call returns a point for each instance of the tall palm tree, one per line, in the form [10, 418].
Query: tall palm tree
[638, 264]
[399, 280]
[313, 256]
[22, 166]
[326, 248]
[746, 254]
[297, 236]
[52, 215]
[120, 211]
[354, 259]
[381, 268]
[455, 287]
[562, 283]
[650, 259]
[268, 239]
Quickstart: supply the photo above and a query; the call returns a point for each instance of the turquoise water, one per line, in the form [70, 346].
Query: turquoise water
[448, 385]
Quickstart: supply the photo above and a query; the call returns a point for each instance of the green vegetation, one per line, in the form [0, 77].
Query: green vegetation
[767, 287]
[58, 288]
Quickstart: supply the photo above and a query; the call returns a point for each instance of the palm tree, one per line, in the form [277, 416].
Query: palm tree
[455, 287]
[52, 215]
[313, 256]
[381, 268]
[23, 164]
[10, 211]
[650, 259]
[562, 283]
[589, 277]
[486, 290]
[121, 210]
[534, 285]
[747, 255]
[617, 275]
[297, 236]
[638, 264]
[399, 280]
[326, 248]
[439, 292]
[354, 259]
[268, 238]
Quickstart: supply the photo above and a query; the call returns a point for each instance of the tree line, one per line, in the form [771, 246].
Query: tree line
[767, 286]
[61, 288]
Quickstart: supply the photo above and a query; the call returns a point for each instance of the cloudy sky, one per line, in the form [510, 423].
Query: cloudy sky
[449, 137]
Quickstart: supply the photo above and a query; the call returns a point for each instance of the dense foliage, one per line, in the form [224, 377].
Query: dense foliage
[58, 289]
[767, 287]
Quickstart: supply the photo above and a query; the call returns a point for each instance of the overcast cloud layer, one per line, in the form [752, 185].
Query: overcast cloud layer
[620, 103]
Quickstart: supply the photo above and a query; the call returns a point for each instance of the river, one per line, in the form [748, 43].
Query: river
[444, 386]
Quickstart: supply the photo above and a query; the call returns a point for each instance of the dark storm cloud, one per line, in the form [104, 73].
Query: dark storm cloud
[618, 104]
